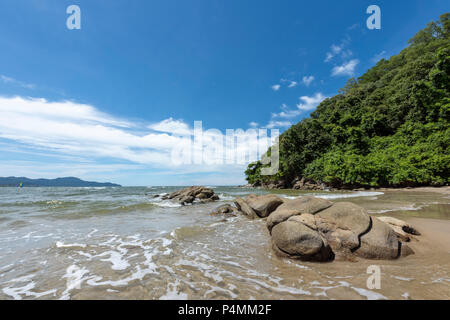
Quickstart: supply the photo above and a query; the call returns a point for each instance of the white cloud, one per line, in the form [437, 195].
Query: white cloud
[253, 124]
[171, 126]
[276, 87]
[278, 124]
[307, 80]
[335, 50]
[292, 84]
[13, 81]
[347, 69]
[286, 113]
[309, 103]
[81, 130]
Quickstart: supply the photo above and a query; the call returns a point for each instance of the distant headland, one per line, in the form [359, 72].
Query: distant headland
[58, 182]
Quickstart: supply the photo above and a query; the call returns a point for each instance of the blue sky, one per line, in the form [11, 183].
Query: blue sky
[102, 103]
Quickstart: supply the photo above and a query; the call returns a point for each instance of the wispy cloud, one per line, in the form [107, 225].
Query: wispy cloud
[171, 126]
[307, 80]
[9, 80]
[308, 103]
[253, 124]
[347, 69]
[292, 84]
[353, 26]
[276, 87]
[335, 50]
[378, 56]
[81, 130]
[278, 124]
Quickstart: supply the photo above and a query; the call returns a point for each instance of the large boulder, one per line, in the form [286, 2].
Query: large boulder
[289, 208]
[243, 206]
[263, 205]
[295, 240]
[345, 216]
[380, 242]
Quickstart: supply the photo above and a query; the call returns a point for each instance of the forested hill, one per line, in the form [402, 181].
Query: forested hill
[388, 128]
[58, 182]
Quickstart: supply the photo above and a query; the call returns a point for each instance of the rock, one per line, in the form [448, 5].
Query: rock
[400, 223]
[186, 199]
[188, 195]
[402, 235]
[297, 206]
[242, 206]
[405, 250]
[307, 219]
[307, 184]
[226, 209]
[263, 205]
[379, 243]
[345, 216]
[295, 240]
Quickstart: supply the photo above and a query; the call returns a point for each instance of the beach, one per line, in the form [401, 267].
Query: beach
[122, 243]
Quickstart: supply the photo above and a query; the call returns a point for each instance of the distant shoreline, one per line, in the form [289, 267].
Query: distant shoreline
[19, 182]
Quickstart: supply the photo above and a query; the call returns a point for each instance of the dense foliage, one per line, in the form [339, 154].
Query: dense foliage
[389, 127]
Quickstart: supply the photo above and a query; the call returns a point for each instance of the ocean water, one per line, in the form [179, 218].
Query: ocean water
[121, 243]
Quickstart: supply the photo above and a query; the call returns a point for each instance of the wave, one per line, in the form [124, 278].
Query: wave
[331, 196]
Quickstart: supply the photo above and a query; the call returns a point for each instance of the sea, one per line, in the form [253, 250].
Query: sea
[123, 243]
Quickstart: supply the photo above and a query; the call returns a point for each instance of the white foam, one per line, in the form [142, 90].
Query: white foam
[60, 244]
[116, 258]
[370, 295]
[409, 208]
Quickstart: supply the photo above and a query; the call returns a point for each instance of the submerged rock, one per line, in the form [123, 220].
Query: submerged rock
[226, 209]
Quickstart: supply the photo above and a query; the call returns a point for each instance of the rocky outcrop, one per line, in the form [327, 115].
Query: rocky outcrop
[313, 229]
[403, 230]
[190, 194]
[306, 184]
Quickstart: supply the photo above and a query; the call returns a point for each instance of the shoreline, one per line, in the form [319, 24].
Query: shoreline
[440, 189]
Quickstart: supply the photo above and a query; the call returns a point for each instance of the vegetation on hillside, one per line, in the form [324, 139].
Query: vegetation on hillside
[389, 127]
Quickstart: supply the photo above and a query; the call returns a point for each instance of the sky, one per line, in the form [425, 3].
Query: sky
[111, 101]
